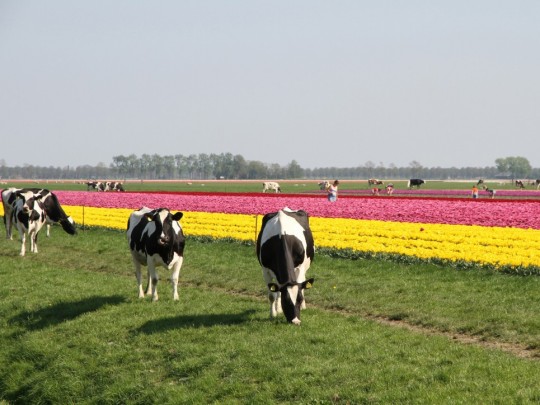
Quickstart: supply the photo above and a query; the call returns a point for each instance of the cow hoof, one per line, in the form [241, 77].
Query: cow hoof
[296, 321]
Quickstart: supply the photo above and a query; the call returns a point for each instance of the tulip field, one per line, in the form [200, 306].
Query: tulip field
[388, 319]
[500, 234]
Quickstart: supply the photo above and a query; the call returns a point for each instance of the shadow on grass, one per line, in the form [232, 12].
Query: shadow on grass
[64, 311]
[194, 321]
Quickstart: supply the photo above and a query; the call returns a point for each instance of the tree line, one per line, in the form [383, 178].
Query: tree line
[228, 166]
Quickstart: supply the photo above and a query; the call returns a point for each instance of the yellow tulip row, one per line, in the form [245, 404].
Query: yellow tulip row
[494, 246]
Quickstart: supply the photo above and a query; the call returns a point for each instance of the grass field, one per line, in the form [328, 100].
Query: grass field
[255, 186]
[73, 331]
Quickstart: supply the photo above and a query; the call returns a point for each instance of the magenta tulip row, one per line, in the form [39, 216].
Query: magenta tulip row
[503, 213]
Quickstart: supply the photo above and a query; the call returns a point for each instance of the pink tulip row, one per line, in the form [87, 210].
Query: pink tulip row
[503, 213]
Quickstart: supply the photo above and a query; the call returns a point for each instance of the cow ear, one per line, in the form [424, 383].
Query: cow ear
[178, 216]
[308, 283]
[273, 287]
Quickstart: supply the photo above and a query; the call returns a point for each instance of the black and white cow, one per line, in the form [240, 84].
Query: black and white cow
[415, 182]
[91, 185]
[155, 238]
[285, 250]
[324, 185]
[114, 186]
[520, 184]
[271, 185]
[54, 211]
[537, 182]
[28, 214]
[374, 182]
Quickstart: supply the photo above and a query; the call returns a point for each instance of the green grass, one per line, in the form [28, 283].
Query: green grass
[255, 186]
[73, 331]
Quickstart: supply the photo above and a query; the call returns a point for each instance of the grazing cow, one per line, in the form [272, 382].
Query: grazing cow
[114, 186]
[323, 185]
[53, 210]
[373, 182]
[490, 191]
[415, 182]
[285, 250]
[28, 214]
[520, 184]
[100, 186]
[91, 185]
[155, 238]
[271, 185]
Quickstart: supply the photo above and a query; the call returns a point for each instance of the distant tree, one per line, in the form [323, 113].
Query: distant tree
[294, 171]
[516, 166]
[416, 168]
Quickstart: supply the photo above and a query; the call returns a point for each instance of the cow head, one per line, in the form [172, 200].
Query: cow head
[166, 225]
[292, 297]
[28, 199]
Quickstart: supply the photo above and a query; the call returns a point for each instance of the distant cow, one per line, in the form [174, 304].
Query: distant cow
[155, 238]
[91, 185]
[114, 186]
[271, 185]
[285, 250]
[53, 210]
[490, 191]
[481, 181]
[323, 185]
[415, 182]
[373, 182]
[520, 184]
[28, 214]
[537, 182]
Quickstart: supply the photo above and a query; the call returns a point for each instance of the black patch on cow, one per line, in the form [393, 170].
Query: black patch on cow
[282, 254]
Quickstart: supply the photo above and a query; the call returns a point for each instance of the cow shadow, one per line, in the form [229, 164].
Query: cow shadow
[195, 321]
[64, 311]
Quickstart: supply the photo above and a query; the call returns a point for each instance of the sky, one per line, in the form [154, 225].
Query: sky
[324, 83]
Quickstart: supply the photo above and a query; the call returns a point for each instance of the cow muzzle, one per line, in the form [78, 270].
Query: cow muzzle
[163, 240]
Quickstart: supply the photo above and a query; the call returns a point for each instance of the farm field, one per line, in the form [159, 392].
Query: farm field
[418, 300]
[435, 188]
[73, 331]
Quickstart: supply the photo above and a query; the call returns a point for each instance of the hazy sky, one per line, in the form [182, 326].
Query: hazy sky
[325, 83]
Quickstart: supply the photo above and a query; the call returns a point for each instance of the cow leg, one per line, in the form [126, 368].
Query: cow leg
[148, 289]
[273, 297]
[152, 273]
[33, 242]
[23, 243]
[8, 220]
[138, 275]
[175, 277]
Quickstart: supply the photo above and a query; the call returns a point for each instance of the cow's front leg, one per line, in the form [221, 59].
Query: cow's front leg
[175, 277]
[153, 279]
[33, 243]
[23, 244]
[273, 296]
[138, 275]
